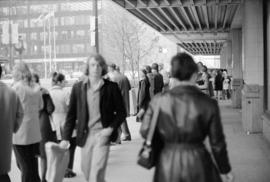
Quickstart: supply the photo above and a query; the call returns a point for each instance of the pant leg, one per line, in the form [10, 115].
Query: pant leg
[72, 152]
[4, 178]
[125, 129]
[99, 159]
[28, 162]
[86, 155]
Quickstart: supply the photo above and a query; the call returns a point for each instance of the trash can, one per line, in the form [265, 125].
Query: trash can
[237, 86]
[252, 108]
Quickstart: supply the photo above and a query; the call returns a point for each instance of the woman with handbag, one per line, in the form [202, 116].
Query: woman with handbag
[182, 119]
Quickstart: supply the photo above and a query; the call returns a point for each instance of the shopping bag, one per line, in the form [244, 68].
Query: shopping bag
[57, 161]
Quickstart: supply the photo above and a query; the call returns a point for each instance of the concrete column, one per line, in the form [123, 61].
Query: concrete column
[223, 57]
[237, 72]
[252, 57]
[229, 57]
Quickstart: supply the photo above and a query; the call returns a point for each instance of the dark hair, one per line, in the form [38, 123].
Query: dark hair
[99, 58]
[35, 75]
[57, 77]
[200, 63]
[205, 69]
[112, 65]
[183, 66]
[148, 69]
[0, 71]
[155, 66]
[144, 71]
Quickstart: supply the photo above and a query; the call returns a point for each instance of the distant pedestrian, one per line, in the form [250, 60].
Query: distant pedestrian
[47, 133]
[226, 85]
[60, 98]
[97, 106]
[165, 76]
[11, 113]
[185, 118]
[158, 79]
[124, 86]
[26, 140]
[143, 98]
[151, 79]
[203, 80]
[219, 85]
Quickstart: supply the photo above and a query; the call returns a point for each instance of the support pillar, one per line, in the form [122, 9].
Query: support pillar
[237, 72]
[253, 62]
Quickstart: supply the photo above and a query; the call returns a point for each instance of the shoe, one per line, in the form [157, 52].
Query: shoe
[127, 138]
[70, 174]
[116, 143]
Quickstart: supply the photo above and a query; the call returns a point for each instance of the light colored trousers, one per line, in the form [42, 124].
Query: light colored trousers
[94, 156]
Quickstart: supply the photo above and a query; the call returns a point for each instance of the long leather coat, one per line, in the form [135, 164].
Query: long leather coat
[186, 118]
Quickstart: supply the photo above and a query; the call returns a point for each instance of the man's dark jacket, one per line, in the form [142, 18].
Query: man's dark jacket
[112, 110]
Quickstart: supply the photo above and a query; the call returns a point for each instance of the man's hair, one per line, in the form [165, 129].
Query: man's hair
[155, 66]
[0, 71]
[183, 67]
[99, 58]
[36, 76]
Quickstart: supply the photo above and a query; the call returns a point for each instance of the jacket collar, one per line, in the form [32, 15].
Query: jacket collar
[185, 88]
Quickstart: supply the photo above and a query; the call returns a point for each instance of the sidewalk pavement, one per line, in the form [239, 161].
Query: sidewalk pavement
[249, 154]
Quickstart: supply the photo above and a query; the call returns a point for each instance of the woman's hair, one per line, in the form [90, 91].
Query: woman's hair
[144, 72]
[183, 66]
[21, 71]
[101, 62]
[148, 69]
[35, 75]
[57, 77]
[205, 69]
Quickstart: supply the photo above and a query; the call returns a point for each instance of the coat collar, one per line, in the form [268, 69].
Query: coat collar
[185, 88]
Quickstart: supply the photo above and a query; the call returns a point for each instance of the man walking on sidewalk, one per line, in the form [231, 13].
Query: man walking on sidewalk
[98, 107]
[11, 113]
[124, 87]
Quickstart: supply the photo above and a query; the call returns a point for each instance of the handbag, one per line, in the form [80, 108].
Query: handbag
[147, 155]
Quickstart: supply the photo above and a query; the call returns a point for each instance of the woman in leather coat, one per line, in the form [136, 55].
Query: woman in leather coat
[186, 118]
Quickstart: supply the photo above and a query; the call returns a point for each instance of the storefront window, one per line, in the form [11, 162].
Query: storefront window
[80, 33]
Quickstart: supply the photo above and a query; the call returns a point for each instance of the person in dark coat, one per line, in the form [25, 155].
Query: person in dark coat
[143, 98]
[47, 134]
[158, 79]
[186, 117]
[219, 84]
[151, 80]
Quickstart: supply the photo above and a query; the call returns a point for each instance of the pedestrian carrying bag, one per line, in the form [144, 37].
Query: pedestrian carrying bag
[147, 154]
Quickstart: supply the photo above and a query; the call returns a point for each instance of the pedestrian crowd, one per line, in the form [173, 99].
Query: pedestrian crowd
[177, 112]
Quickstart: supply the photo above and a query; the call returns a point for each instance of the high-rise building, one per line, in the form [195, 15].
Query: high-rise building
[64, 25]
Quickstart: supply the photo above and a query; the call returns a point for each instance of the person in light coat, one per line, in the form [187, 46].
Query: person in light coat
[26, 140]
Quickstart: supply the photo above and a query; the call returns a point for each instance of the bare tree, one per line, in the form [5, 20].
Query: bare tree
[130, 37]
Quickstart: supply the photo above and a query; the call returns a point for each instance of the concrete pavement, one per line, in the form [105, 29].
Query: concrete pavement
[249, 154]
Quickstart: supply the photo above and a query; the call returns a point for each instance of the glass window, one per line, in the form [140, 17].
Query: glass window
[39, 8]
[78, 48]
[5, 11]
[34, 49]
[82, 19]
[80, 33]
[22, 23]
[77, 6]
[64, 34]
[65, 49]
[34, 23]
[33, 36]
[21, 10]
[67, 20]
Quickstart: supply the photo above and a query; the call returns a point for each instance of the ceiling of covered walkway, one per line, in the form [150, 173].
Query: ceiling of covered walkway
[199, 26]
